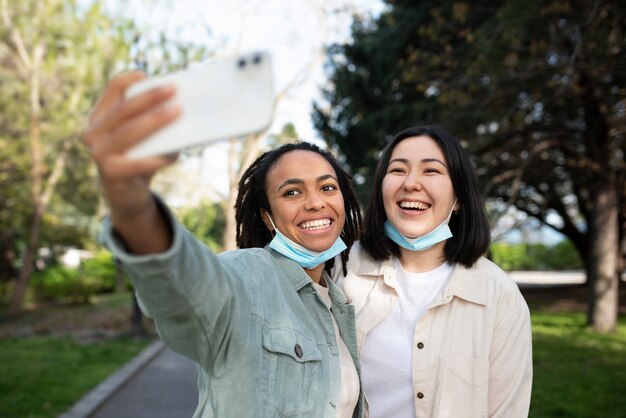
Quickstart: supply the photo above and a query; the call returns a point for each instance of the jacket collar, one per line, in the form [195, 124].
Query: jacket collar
[468, 284]
[298, 278]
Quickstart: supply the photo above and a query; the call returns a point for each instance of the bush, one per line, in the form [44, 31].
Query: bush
[562, 256]
[101, 267]
[75, 285]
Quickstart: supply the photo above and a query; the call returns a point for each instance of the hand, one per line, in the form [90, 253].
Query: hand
[115, 125]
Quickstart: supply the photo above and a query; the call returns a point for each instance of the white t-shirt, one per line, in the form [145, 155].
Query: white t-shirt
[386, 361]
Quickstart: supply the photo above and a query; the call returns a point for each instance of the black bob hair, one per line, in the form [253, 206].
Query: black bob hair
[470, 226]
[252, 199]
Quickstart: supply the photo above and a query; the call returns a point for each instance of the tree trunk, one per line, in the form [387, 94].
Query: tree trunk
[37, 178]
[229, 238]
[603, 263]
[19, 293]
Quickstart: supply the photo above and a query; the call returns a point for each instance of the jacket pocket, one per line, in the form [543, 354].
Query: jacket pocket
[292, 366]
[464, 390]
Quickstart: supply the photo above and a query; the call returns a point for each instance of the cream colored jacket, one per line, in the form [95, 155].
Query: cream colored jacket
[472, 349]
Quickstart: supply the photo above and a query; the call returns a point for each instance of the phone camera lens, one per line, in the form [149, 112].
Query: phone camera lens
[257, 58]
[241, 63]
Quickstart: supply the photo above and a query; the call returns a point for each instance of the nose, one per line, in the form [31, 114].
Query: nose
[412, 182]
[314, 201]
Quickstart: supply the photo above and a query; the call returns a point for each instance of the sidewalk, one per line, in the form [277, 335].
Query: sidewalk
[158, 383]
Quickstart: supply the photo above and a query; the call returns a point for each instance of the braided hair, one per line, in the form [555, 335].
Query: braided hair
[252, 200]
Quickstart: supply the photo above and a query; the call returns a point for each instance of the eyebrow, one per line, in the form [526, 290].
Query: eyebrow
[289, 182]
[423, 160]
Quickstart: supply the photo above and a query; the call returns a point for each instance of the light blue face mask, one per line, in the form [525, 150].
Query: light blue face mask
[306, 258]
[441, 233]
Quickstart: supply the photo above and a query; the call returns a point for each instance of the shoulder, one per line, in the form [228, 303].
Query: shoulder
[362, 275]
[360, 264]
[500, 286]
[248, 262]
[487, 284]
[246, 255]
[492, 273]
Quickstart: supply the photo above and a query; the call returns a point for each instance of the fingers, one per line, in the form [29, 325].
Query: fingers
[114, 93]
[120, 137]
[120, 167]
[140, 115]
[127, 109]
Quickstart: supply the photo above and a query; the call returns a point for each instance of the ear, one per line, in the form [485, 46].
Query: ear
[457, 207]
[266, 220]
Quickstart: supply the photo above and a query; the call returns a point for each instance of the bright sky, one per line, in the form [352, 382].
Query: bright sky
[293, 31]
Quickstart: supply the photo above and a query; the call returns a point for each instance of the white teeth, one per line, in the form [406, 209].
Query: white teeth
[414, 205]
[317, 224]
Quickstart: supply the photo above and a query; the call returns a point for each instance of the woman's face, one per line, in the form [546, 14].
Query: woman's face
[305, 200]
[417, 190]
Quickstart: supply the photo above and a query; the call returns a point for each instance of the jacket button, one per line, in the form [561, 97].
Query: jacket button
[420, 345]
[420, 395]
[298, 350]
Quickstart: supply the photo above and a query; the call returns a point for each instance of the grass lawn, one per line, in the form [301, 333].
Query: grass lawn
[40, 377]
[576, 372]
[53, 355]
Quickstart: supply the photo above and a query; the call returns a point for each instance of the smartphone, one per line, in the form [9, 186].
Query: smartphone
[220, 99]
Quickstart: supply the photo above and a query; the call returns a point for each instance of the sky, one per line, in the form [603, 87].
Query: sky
[294, 32]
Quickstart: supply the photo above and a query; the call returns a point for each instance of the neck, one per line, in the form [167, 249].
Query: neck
[421, 261]
[316, 274]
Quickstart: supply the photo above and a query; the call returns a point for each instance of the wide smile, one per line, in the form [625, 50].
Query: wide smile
[414, 206]
[316, 224]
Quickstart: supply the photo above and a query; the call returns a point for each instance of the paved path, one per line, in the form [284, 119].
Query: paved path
[158, 383]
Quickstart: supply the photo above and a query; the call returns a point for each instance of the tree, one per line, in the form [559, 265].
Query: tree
[533, 88]
[56, 57]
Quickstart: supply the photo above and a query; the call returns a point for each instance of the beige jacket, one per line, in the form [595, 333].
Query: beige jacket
[472, 349]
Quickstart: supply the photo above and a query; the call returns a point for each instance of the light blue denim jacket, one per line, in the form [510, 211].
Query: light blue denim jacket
[261, 336]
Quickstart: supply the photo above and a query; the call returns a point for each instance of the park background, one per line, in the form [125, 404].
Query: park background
[536, 91]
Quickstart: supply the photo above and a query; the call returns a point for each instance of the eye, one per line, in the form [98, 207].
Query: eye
[396, 170]
[291, 192]
[329, 188]
[432, 170]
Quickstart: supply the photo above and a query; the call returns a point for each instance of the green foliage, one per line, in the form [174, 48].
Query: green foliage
[532, 88]
[75, 285]
[102, 267]
[42, 377]
[510, 257]
[80, 48]
[206, 222]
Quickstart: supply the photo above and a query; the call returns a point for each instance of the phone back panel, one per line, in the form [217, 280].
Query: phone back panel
[220, 99]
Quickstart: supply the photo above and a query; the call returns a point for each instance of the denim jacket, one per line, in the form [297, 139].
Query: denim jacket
[263, 340]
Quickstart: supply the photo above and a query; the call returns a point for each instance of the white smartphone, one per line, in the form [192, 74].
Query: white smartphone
[220, 99]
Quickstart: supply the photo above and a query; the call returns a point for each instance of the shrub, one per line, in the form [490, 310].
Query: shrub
[75, 285]
[102, 268]
[562, 256]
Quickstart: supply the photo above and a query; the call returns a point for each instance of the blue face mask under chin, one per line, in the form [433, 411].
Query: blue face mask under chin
[441, 233]
[306, 258]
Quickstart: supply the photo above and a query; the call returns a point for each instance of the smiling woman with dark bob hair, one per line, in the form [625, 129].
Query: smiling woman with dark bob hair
[442, 331]
[470, 227]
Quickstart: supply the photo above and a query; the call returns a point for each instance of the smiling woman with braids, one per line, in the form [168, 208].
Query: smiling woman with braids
[254, 226]
[272, 335]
